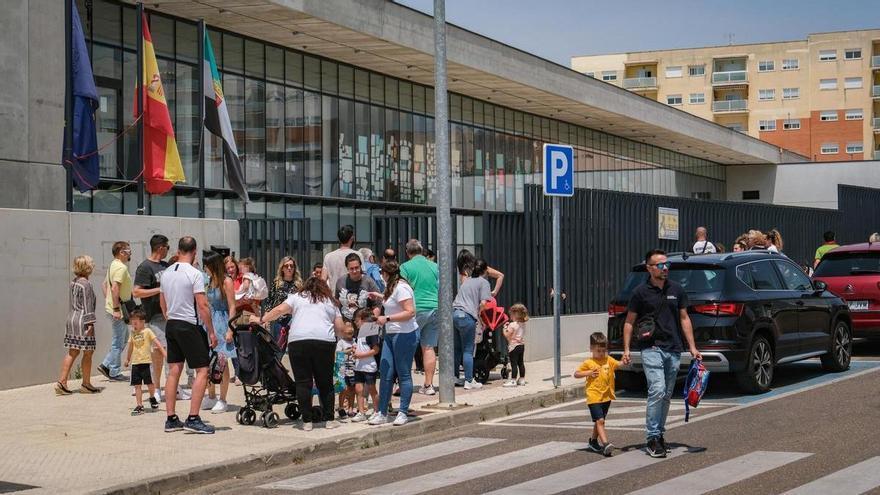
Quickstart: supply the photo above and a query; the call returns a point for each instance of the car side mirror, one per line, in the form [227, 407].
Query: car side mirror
[819, 286]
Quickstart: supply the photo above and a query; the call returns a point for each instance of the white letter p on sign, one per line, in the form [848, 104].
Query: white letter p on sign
[559, 168]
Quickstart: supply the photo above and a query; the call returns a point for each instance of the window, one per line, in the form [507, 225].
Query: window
[701, 195]
[827, 84]
[793, 277]
[791, 124]
[766, 94]
[609, 75]
[759, 276]
[697, 98]
[766, 125]
[751, 195]
[790, 64]
[766, 66]
[590, 74]
[828, 115]
[845, 264]
[673, 100]
[791, 93]
[852, 53]
[673, 71]
[696, 70]
[855, 148]
[829, 149]
[827, 55]
[854, 114]
[852, 83]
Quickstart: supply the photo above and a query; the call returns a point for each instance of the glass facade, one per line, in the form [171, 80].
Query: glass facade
[315, 136]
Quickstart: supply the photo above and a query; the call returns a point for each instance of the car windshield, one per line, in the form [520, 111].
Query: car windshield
[693, 278]
[845, 264]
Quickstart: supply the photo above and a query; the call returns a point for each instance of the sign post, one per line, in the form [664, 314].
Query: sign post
[558, 181]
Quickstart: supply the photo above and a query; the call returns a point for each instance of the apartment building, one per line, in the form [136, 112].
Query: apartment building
[818, 97]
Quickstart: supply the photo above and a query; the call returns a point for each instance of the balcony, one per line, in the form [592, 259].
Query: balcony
[875, 91]
[730, 77]
[640, 83]
[875, 62]
[876, 124]
[877, 154]
[729, 106]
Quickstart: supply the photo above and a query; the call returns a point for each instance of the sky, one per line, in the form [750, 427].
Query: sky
[559, 29]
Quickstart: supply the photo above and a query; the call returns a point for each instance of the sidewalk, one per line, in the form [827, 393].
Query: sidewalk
[90, 443]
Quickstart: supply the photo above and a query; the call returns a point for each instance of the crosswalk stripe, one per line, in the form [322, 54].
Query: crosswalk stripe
[611, 423]
[856, 479]
[724, 473]
[383, 463]
[477, 469]
[586, 474]
[614, 411]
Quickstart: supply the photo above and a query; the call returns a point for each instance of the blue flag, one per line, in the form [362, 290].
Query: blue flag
[85, 101]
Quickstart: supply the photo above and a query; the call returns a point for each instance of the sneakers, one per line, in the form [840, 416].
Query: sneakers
[342, 413]
[473, 384]
[593, 445]
[509, 383]
[195, 425]
[663, 445]
[307, 426]
[208, 403]
[608, 451]
[459, 382]
[183, 394]
[401, 419]
[378, 419]
[154, 404]
[332, 424]
[157, 397]
[655, 449]
[521, 382]
[173, 423]
[118, 378]
[219, 407]
[104, 371]
[137, 411]
[427, 390]
[359, 418]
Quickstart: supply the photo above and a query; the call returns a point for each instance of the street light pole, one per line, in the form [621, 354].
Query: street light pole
[444, 200]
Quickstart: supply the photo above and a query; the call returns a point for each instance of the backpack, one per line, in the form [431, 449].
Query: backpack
[695, 385]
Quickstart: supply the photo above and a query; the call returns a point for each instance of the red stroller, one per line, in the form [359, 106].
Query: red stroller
[492, 350]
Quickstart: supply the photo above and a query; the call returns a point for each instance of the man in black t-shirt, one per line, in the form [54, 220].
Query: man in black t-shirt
[146, 288]
[667, 303]
[353, 290]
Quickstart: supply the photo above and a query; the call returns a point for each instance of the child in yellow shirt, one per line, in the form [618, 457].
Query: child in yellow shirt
[599, 372]
[140, 346]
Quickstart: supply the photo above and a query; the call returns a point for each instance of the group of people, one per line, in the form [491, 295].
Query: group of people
[748, 241]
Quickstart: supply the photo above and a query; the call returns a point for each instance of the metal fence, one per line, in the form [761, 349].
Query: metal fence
[267, 241]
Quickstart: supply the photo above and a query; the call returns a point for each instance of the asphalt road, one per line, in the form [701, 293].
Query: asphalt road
[814, 433]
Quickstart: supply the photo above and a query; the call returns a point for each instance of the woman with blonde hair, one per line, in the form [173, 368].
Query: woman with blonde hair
[757, 240]
[80, 333]
[287, 281]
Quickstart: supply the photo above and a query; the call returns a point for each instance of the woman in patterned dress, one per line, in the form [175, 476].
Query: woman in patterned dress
[80, 334]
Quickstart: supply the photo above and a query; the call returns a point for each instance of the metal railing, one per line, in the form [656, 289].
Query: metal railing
[728, 77]
[639, 82]
[875, 91]
[876, 123]
[877, 154]
[730, 106]
[875, 62]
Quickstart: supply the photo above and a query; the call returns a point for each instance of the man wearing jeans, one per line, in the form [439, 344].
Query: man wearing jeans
[424, 277]
[667, 303]
[117, 288]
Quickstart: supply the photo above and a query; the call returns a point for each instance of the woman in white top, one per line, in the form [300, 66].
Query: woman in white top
[399, 345]
[311, 346]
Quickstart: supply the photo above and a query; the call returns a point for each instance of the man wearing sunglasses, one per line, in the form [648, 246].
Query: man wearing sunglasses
[666, 302]
[117, 289]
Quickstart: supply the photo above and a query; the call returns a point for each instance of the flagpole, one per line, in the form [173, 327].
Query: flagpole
[200, 91]
[68, 102]
[140, 107]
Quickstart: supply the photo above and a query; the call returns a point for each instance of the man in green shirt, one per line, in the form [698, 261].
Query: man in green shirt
[424, 277]
[829, 244]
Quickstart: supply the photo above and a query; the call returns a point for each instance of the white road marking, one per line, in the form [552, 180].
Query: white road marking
[379, 464]
[856, 479]
[724, 473]
[487, 466]
[551, 408]
[611, 423]
[586, 474]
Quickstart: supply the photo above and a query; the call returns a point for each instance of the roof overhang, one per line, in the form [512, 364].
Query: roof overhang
[392, 39]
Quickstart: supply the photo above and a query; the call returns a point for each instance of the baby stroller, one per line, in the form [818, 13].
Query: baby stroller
[492, 349]
[265, 380]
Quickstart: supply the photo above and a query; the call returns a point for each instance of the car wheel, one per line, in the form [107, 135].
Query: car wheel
[758, 375]
[840, 349]
[631, 381]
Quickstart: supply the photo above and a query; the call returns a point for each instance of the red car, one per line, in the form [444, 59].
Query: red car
[852, 272]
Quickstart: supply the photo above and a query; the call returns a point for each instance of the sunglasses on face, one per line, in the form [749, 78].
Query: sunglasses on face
[661, 266]
[288, 266]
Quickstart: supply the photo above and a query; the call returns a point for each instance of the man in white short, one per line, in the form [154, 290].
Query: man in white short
[702, 245]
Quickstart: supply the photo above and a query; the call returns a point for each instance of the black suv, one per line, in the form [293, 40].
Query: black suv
[750, 311]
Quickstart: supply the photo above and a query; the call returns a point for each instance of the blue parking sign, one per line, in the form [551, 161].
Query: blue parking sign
[558, 170]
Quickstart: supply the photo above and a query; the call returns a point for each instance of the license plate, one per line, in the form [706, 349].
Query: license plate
[858, 305]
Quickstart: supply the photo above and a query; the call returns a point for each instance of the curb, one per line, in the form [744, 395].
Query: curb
[184, 480]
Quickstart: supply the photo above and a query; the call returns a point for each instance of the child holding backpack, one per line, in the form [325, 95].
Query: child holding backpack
[599, 372]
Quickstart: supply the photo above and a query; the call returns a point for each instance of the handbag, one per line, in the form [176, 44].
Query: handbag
[646, 326]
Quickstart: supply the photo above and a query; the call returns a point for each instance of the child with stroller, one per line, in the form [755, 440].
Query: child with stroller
[514, 332]
[345, 353]
[366, 370]
[140, 356]
[599, 372]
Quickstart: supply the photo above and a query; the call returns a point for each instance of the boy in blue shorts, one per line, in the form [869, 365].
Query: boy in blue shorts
[599, 372]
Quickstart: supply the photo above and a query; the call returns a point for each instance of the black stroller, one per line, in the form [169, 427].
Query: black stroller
[265, 380]
[492, 350]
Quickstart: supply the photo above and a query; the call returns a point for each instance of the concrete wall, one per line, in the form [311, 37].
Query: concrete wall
[575, 334]
[37, 249]
[811, 185]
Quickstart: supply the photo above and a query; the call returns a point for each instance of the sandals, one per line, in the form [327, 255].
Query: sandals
[88, 389]
[61, 389]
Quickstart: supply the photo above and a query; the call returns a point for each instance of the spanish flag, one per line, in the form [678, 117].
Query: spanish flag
[162, 167]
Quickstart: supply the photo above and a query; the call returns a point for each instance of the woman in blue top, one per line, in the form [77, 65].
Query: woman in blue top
[221, 296]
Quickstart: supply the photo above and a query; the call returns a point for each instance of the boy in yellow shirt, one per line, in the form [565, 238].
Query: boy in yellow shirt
[599, 372]
[140, 346]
